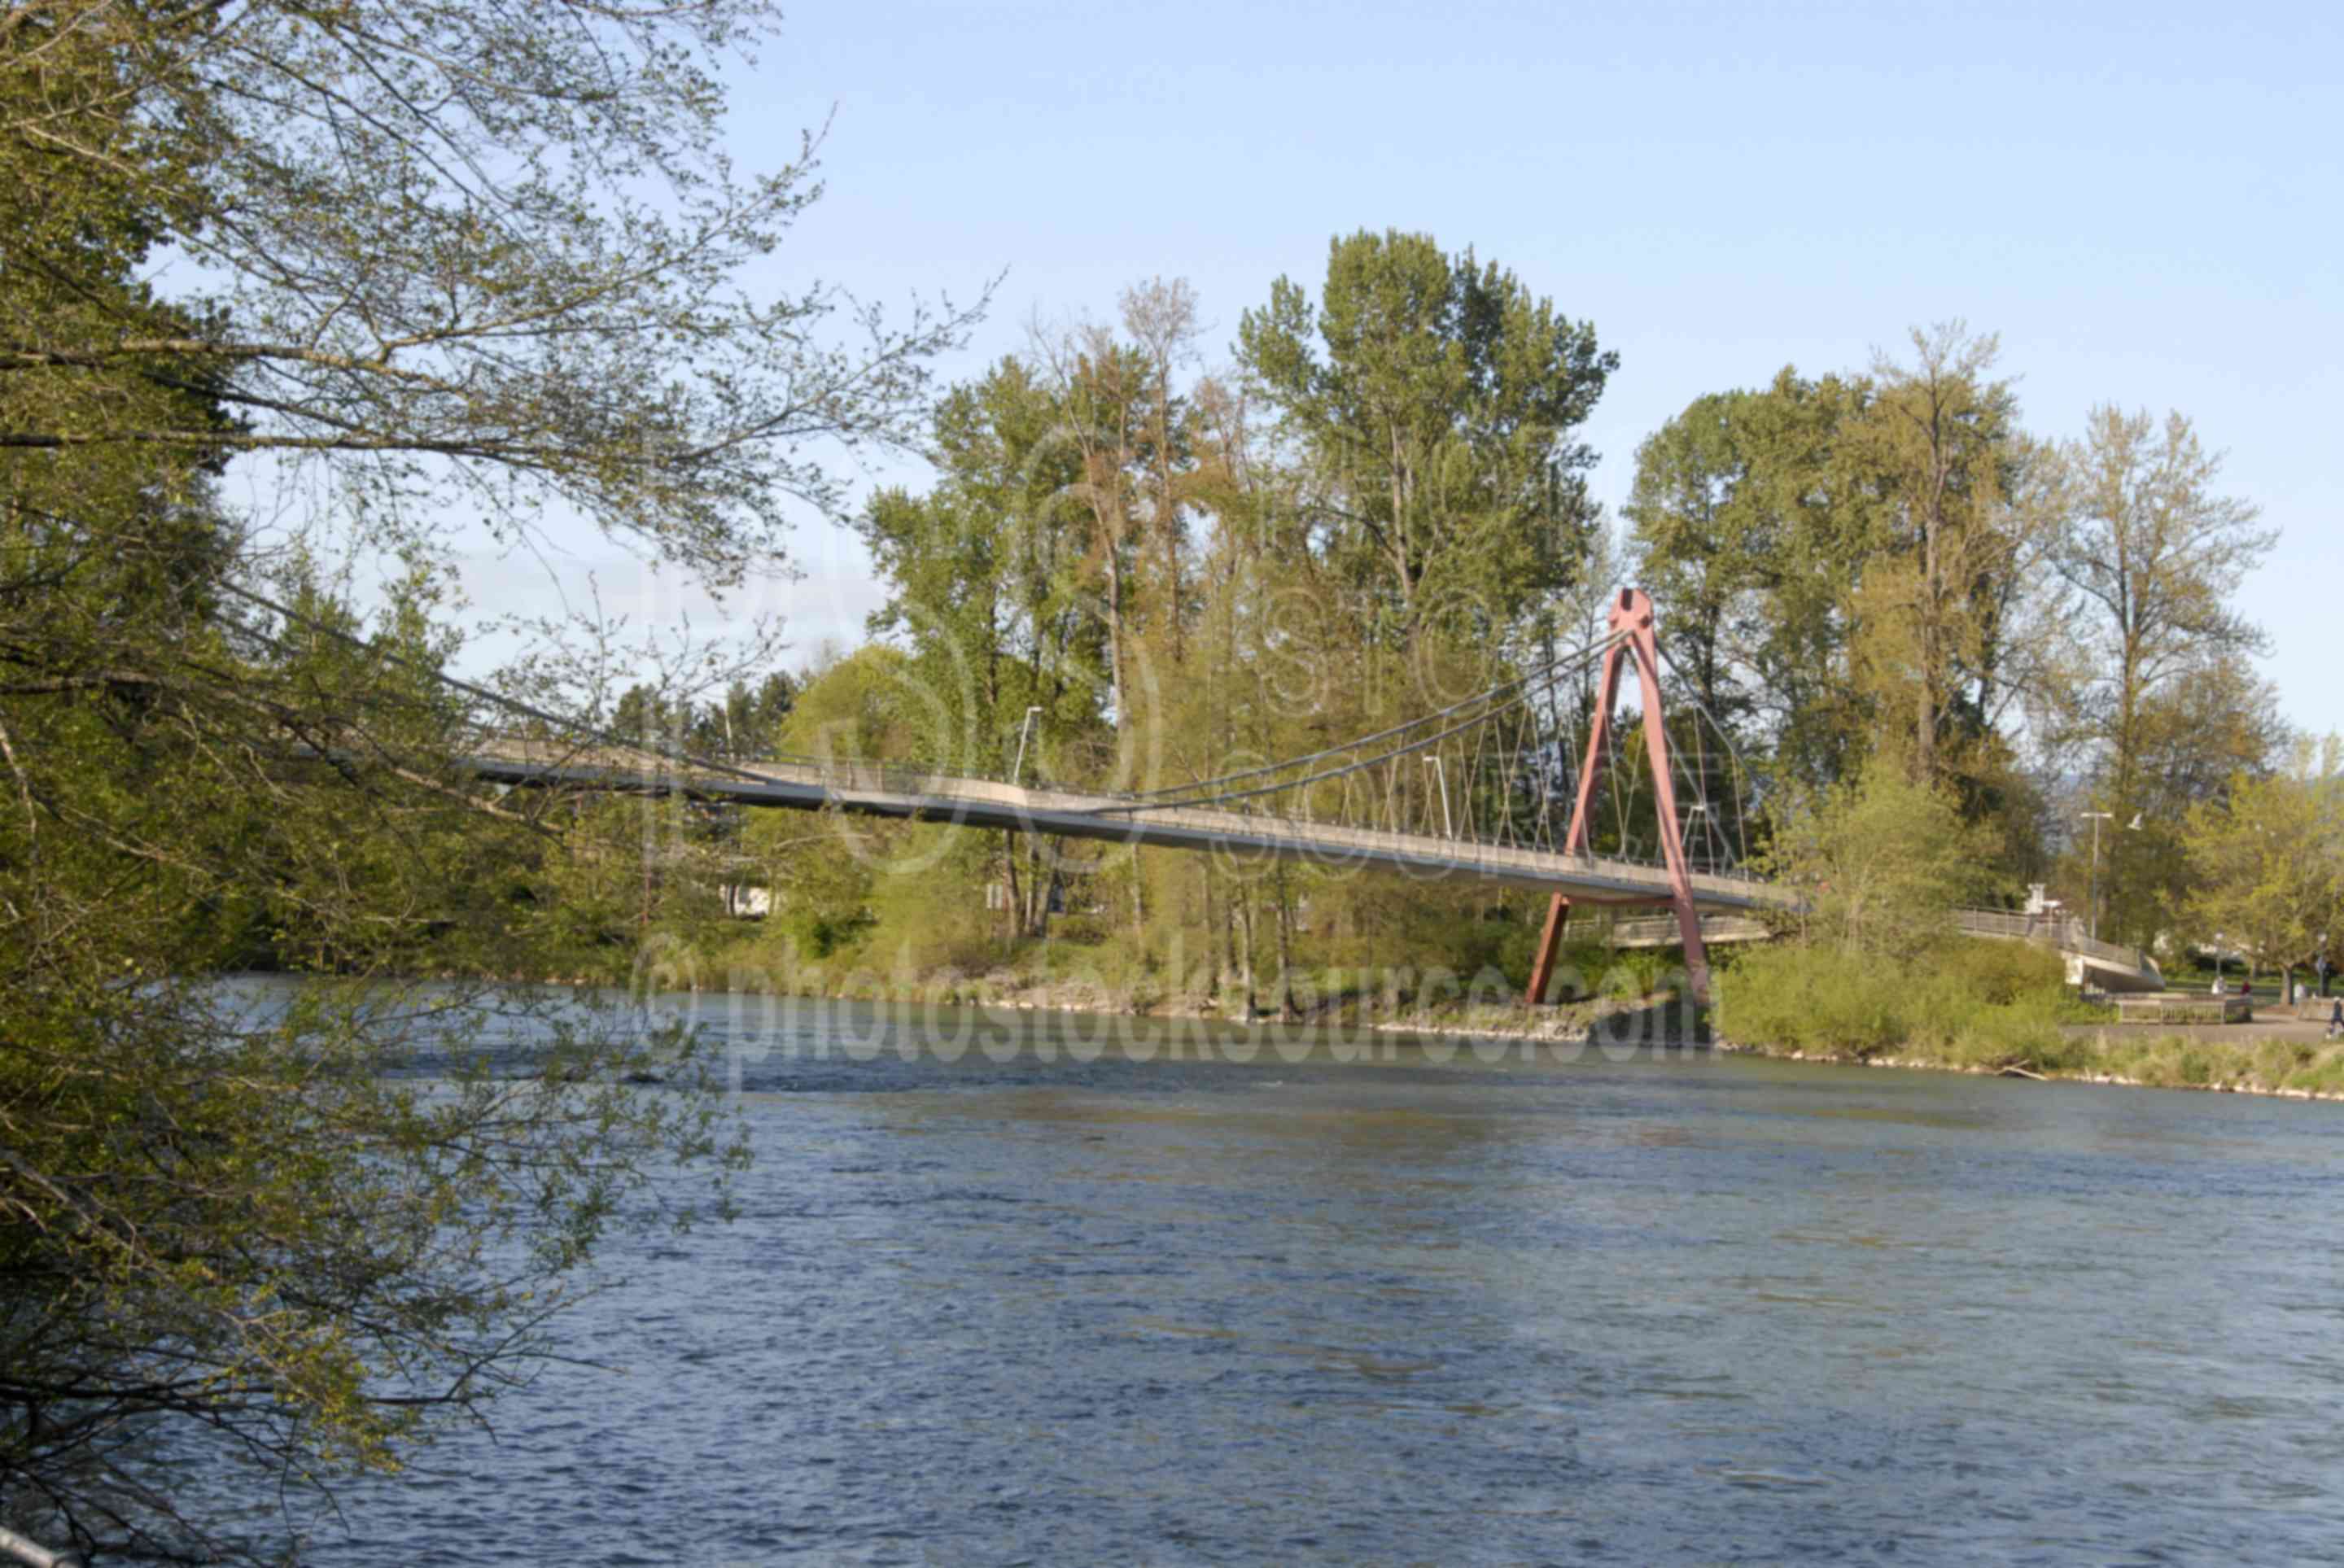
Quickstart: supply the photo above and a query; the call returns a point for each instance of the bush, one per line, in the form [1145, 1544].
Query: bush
[2000, 974]
[1965, 1003]
[1809, 998]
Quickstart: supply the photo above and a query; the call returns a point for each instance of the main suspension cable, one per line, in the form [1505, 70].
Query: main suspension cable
[496, 698]
[1521, 689]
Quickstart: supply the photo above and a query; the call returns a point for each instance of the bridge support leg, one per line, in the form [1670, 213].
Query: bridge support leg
[1656, 745]
[1635, 638]
[1557, 916]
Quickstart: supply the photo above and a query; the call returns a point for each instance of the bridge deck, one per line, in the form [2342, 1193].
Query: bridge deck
[888, 791]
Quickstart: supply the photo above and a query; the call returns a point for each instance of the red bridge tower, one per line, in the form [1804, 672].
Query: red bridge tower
[1632, 616]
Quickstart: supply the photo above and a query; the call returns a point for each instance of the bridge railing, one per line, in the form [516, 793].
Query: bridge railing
[2065, 932]
[1646, 929]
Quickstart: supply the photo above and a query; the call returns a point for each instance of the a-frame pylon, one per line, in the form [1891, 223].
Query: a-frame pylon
[1631, 622]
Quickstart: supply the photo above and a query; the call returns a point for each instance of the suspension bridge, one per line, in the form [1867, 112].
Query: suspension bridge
[884, 789]
[1354, 806]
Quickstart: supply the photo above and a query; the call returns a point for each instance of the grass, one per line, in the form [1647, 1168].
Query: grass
[2177, 1062]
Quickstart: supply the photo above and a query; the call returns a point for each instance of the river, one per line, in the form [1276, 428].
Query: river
[1023, 1307]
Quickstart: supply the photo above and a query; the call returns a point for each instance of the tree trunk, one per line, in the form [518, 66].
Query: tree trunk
[1245, 969]
[1013, 914]
[1215, 937]
[1286, 1008]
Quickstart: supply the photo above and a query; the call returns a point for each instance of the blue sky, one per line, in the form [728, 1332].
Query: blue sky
[2143, 201]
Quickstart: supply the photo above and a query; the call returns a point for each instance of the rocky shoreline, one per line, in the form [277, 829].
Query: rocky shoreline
[2111, 1079]
[1649, 1023]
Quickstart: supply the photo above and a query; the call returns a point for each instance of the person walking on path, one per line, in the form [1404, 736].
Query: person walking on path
[2335, 1020]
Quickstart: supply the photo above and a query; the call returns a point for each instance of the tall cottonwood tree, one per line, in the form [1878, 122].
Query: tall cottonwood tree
[989, 573]
[1160, 321]
[1435, 403]
[1752, 526]
[1100, 386]
[1961, 525]
[2155, 555]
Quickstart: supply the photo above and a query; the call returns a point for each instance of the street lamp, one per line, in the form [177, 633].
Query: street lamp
[1025, 728]
[2092, 895]
[2322, 961]
[1441, 773]
[2217, 963]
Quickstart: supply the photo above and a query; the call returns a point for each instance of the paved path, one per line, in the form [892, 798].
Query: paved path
[2264, 1027]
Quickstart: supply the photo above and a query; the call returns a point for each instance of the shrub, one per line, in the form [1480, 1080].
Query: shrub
[1811, 998]
[1951, 1003]
[2000, 974]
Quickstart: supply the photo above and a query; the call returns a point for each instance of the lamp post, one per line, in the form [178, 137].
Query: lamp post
[2217, 963]
[2092, 884]
[1448, 826]
[2131, 827]
[2322, 962]
[1025, 728]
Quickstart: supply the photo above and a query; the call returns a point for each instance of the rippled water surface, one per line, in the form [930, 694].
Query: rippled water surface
[1401, 1309]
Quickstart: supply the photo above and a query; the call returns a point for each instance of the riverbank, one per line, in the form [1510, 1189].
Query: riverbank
[1656, 1018]
[2274, 1064]
[2286, 1059]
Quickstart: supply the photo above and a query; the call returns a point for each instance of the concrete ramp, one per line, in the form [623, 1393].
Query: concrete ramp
[1661, 931]
[2101, 966]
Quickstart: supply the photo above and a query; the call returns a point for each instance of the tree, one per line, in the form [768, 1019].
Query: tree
[2268, 861]
[239, 1216]
[826, 873]
[1752, 531]
[2154, 557]
[746, 721]
[1961, 525]
[989, 575]
[1159, 319]
[484, 253]
[2201, 730]
[440, 246]
[1436, 403]
[649, 714]
[1121, 413]
[1884, 861]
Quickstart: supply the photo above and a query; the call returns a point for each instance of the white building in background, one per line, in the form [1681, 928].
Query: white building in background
[747, 901]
